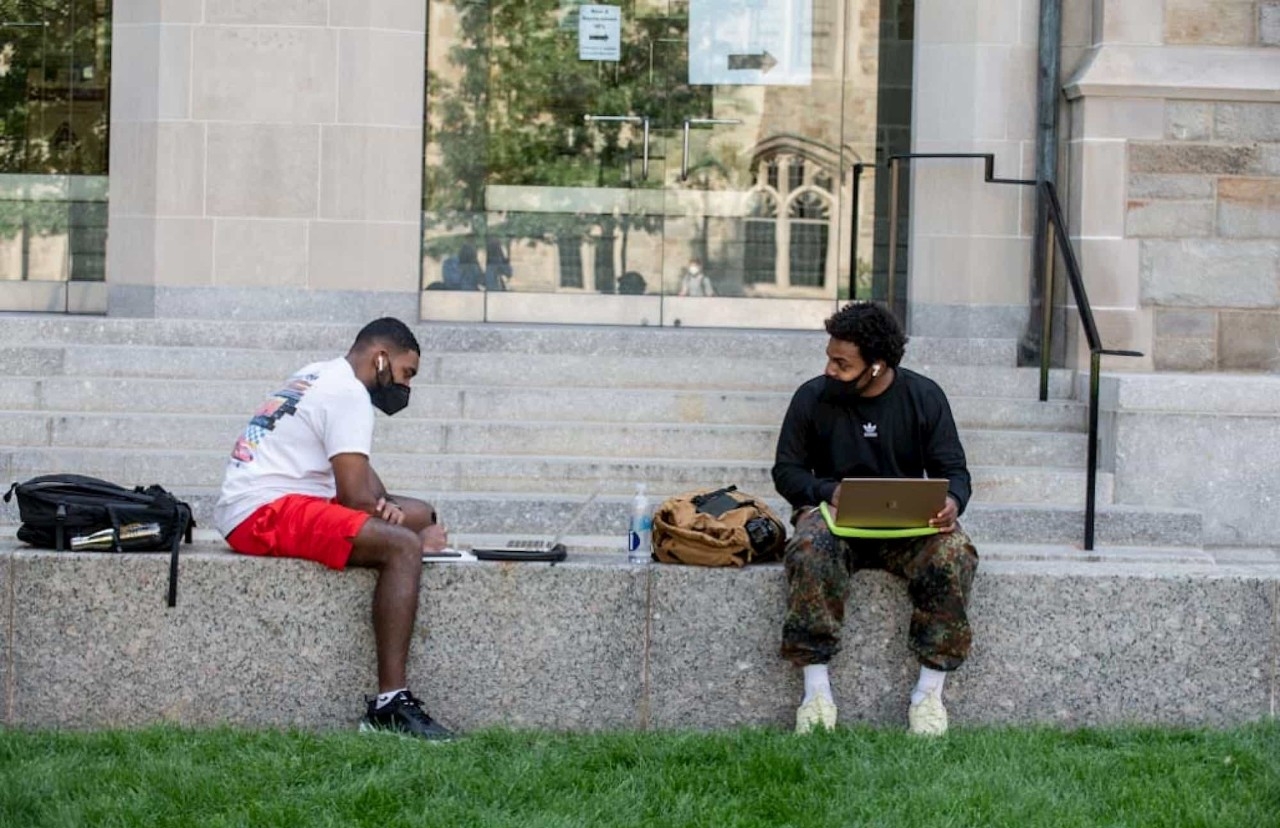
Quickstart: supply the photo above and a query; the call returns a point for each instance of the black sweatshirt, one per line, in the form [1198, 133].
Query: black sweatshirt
[907, 431]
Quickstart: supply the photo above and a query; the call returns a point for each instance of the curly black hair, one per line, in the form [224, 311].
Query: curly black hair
[872, 328]
[390, 331]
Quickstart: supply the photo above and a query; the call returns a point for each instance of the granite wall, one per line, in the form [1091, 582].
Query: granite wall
[594, 644]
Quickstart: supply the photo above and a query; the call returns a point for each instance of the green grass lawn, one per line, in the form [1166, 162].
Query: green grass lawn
[857, 776]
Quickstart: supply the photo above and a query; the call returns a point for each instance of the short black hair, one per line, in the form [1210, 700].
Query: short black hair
[872, 328]
[389, 330]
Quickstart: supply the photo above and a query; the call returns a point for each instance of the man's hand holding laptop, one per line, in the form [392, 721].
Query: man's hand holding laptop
[944, 521]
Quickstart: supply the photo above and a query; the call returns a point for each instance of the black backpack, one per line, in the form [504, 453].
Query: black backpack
[71, 512]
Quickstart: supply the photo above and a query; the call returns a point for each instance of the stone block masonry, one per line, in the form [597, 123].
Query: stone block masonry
[1204, 201]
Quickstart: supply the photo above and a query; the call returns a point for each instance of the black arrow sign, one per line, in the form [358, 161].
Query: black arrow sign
[763, 62]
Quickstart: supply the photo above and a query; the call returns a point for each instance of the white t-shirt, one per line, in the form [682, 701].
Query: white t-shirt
[322, 411]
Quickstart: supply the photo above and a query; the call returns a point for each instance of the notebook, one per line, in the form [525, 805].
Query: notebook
[535, 550]
[879, 507]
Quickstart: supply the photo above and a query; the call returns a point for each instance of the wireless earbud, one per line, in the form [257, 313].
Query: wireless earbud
[875, 371]
[382, 364]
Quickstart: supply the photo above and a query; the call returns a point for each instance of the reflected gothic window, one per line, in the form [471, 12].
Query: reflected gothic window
[786, 231]
[760, 259]
[809, 215]
[795, 174]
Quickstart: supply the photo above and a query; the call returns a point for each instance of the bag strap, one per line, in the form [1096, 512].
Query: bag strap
[87, 485]
[172, 597]
[60, 524]
[184, 515]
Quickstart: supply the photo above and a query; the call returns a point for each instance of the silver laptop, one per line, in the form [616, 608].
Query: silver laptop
[889, 502]
[522, 549]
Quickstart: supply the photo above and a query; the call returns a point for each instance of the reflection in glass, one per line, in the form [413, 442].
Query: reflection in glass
[590, 180]
[54, 82]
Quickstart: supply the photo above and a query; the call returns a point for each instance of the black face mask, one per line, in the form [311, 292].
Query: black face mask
[389, 397]
[844, 392]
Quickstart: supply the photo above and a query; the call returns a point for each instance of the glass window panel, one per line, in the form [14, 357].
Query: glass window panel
[795, 175]
[511, 152]
[762, 252]
[808, 254]
[54, 119]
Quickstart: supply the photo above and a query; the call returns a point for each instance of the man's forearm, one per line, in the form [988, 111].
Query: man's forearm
[800, 486]
[375, 485]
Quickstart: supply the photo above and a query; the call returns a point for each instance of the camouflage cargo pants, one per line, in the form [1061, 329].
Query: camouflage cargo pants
[938, 570]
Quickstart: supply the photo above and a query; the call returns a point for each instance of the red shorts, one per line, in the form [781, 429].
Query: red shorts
[300, 526]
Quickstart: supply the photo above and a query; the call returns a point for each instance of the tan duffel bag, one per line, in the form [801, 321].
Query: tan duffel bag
[723, 527]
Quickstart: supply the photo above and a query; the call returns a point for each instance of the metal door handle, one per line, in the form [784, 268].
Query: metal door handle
[684, 155]
[630, 119]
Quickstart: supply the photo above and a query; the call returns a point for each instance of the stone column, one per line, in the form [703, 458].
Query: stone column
[1095, 183]
[975, 91]
[266, 158]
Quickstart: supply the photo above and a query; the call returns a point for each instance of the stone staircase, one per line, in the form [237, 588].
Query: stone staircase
[510, 427]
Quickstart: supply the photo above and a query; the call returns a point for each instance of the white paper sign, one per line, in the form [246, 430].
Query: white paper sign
[600, 33]
[751, 42]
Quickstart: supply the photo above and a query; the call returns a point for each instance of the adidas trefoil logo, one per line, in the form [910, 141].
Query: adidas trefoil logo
[869, 430]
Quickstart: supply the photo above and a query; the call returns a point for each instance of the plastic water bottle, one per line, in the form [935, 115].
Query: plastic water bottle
[640, 536]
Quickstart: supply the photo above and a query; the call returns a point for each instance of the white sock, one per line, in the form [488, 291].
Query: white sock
[383, 698]
[816, 682]
[930, 680]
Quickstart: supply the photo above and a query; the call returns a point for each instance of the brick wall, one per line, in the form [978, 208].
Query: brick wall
[1205, 203]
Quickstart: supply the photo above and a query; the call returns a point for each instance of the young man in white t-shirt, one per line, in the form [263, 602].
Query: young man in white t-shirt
[299, 485]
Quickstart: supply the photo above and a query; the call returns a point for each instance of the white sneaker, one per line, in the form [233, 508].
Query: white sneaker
[929, 717]
[819, 711]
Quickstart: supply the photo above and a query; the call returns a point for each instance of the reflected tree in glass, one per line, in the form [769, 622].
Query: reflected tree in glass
[54, 118]
[512, 112]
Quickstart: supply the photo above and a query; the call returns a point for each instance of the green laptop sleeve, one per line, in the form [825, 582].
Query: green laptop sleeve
[872, 534]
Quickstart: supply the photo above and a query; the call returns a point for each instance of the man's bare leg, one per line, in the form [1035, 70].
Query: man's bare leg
[421, 517]
[396, 553]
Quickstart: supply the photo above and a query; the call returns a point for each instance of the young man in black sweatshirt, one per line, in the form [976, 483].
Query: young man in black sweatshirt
[868, 417]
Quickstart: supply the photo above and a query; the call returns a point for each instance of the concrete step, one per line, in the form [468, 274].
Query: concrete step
[1166, 558]
[542, 514]
[497, 403]
[513, 516]
[437, 338]
[991, 485]
[560, 370]
[569, 371]
[208, 540]
[479, 438]
[559, 475]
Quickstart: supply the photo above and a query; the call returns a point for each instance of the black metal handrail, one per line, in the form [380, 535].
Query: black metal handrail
[1056, 236]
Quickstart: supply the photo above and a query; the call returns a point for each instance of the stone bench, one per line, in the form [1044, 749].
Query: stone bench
[595, 644]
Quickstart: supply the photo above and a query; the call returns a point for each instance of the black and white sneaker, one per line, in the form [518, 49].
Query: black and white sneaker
[403, 715]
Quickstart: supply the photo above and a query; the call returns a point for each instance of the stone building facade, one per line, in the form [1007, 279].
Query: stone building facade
[267, 160]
